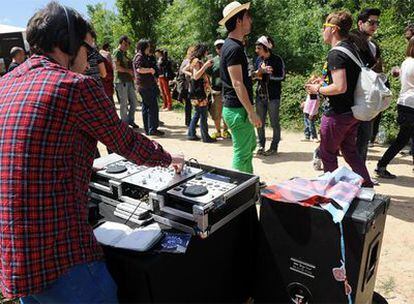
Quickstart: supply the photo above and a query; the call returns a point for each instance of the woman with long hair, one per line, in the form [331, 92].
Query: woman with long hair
[405, 108]
[199, 84]
[184, 85]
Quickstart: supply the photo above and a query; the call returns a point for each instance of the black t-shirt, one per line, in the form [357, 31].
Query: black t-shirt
[12, 66]
[232, 53]
[270, 85]
[342, 103]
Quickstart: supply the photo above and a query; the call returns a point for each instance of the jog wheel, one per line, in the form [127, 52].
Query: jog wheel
[116, 169]
[195, 190]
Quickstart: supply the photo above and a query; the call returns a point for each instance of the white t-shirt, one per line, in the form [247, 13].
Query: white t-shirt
[406, 97]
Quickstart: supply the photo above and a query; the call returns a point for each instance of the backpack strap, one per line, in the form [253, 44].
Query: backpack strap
[349, 54]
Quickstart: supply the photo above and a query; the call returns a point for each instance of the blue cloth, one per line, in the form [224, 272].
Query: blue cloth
[84, 283]
[310, 129]
[201, 114]
[150, 110]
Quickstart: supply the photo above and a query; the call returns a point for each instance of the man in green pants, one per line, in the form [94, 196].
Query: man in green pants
[238, 110]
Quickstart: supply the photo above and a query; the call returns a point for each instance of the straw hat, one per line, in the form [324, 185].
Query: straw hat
[232, 9]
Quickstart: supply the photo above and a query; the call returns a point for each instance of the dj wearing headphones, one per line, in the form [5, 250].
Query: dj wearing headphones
[51, 118]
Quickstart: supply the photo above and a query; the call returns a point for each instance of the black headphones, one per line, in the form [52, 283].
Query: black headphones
[71, 47]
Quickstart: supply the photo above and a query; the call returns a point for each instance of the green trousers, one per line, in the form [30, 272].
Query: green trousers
[243, 136]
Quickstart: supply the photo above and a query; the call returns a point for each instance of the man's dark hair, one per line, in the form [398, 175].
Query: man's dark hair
[231, 23]
[199, 51]
[409, 28]
[123, 38]
[91, 30]
[364, 15]
[56, 26]
[142, 45]
[410, 48]
[106, 46]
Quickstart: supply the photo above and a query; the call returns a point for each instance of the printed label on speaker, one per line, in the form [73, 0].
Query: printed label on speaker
[302, 267]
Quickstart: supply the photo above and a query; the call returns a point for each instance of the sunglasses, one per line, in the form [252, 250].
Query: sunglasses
[373, 22]
[325, 25]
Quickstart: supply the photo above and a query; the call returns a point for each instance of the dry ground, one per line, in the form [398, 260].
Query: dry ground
[395, 278]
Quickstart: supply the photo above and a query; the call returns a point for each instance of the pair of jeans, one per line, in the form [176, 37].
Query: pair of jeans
[128, 101]
[363, 137]
[263, 106]
[200, 113]
[150, 111]
[188, 109]
[84, 283]
[338, 132]
[243, 137]
[406, 122]
[375, 127]
[166, 94]
[310, 129]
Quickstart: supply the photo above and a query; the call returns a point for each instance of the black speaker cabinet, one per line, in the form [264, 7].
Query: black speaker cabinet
[300, 246]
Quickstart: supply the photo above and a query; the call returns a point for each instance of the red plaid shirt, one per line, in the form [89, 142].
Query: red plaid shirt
[50, 121]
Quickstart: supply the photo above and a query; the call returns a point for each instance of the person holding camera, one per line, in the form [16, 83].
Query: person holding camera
[199, 85]
[270, 72]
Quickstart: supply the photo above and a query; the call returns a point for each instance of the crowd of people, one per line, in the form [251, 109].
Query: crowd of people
[56, 105]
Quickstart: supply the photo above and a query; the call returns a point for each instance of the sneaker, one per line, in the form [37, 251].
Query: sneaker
[270, 152]
[215, 135]
[316, 140]
[157, 133]
[226, 134]
[260, 151]
[209, 140]
[382, 172]
[317, 164]
[195, 137]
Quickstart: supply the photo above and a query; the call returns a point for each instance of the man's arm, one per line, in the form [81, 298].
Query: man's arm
[236, 77]
[121, 69]
[96, 116]
[339, 85]
[279, 72]
[102, 70]
[146, 71]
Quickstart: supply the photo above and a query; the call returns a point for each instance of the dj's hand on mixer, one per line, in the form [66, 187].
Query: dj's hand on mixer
[177, 162]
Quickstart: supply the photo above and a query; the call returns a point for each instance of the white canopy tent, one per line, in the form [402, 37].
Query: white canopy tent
[5, 28]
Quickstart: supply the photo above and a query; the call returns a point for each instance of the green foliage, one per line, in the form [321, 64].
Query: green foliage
[107, 24]
[295, 26]
[141, 17]
[293, 93]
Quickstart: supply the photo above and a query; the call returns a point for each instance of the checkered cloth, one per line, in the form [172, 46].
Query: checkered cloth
[50, 121]
[339, 187]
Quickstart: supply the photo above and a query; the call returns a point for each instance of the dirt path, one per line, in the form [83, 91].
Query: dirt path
[395, 278]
